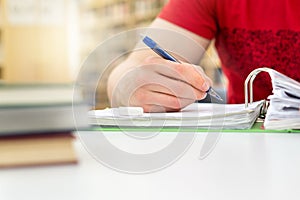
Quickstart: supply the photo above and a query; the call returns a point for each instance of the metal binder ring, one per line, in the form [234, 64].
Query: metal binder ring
[249, 81]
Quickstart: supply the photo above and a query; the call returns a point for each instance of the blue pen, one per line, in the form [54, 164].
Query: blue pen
[166, 55]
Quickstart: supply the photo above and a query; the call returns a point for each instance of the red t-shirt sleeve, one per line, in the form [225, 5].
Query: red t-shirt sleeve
[197, 16]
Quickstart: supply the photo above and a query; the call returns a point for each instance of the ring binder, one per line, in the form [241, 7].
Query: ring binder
[249, 83]
[285, 95]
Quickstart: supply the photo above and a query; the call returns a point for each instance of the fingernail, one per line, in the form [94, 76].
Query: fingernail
[201, 96]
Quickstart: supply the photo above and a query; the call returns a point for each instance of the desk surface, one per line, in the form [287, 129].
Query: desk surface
[242, 166]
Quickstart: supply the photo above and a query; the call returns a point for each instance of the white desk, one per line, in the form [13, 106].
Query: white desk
[242, 166]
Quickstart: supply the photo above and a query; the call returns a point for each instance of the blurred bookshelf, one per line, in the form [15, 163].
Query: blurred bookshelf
[34, 41]
[1, 41]
[101, 19]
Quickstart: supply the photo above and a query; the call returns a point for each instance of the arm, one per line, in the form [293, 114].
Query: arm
[146, 80]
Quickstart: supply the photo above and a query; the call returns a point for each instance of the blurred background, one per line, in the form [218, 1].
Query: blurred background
[46, 41]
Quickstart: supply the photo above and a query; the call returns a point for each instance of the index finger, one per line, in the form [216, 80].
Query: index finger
[184, 72]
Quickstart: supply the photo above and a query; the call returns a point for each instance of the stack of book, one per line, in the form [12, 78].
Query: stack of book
[37, 122]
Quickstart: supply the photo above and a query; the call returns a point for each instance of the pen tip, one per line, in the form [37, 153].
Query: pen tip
[219, 98]
[213, 93]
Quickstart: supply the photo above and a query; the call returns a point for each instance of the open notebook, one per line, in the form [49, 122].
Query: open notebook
[197, 115]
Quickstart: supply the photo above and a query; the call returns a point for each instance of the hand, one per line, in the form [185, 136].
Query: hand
[160, 85]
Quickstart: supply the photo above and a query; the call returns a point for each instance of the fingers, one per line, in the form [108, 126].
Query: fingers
[155, 81]
[184, 72]
[153, 101]
[177, 89]
[159, 85]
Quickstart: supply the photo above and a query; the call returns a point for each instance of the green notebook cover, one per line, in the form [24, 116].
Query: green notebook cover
[256, 128]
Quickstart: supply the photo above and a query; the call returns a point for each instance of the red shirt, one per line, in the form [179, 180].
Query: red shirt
[249, 34]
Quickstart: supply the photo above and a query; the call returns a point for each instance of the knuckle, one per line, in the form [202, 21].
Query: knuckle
[180, 70]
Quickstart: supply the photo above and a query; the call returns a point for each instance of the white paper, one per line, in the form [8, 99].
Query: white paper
[202, 115]
[284, 109]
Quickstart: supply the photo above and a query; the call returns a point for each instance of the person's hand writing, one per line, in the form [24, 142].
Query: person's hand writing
[160, 85]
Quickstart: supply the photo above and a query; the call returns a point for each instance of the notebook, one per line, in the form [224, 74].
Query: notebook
[196, 115]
